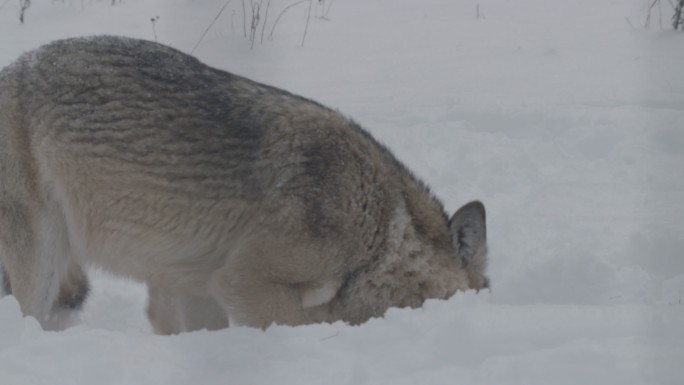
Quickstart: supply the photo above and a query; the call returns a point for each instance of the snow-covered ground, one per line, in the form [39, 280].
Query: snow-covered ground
[565, 117]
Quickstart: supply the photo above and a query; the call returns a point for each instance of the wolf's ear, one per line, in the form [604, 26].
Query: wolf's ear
[468, 230]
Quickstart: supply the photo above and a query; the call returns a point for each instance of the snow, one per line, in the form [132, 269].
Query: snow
[565, 118]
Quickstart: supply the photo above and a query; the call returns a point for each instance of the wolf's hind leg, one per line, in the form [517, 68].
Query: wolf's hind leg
[73, 290]
[72, 293]
[34, 251]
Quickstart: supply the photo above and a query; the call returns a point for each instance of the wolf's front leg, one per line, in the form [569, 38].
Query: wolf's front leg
[173, 312]
[252, 299]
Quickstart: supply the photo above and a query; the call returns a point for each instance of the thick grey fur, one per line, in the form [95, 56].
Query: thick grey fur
[234, 201]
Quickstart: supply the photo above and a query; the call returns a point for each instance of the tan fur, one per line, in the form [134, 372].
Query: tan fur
[232, 200]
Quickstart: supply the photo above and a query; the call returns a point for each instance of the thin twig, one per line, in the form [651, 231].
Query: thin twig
[330, 337]
[308, 17]
[677, 19]
[270, 35]
[263, 26]
[209, 27]
[256, 11]
[24, 4]
[154, 26]
[648, 15]
[244, 19]
[629, 22]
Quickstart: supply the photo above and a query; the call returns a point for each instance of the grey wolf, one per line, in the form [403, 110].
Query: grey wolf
[235, 202]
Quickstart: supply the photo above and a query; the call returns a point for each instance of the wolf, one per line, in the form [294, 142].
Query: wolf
[237, 203]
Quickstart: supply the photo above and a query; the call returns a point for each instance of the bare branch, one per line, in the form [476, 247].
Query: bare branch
[209, 27]
[270, 35]
[263, 26]
[308, 17]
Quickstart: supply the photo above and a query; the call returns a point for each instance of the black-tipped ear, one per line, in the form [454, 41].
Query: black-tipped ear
[468, 230]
